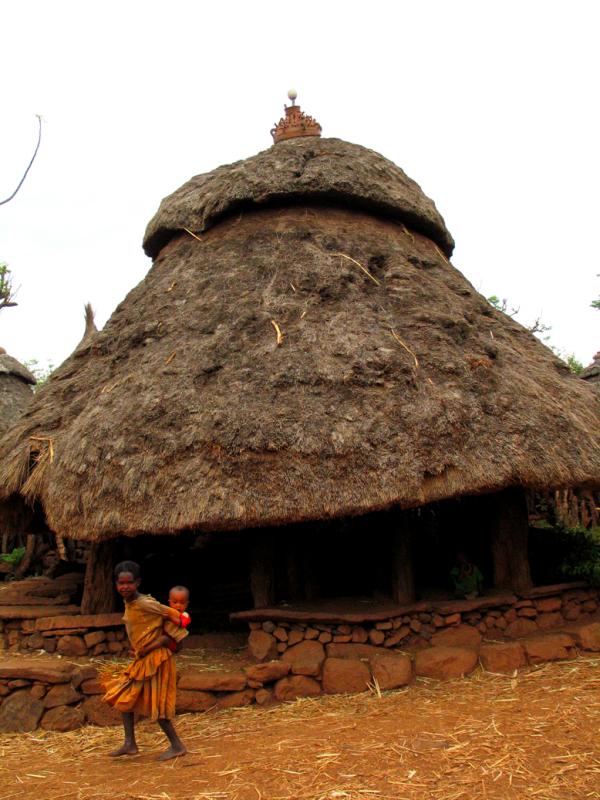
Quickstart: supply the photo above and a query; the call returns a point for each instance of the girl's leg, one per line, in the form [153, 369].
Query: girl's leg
[177, 747]
[129, 747]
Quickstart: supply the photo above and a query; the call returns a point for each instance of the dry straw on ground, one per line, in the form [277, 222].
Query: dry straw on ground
[533, 735]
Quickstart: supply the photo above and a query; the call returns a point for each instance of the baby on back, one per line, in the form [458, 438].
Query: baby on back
[179, 598]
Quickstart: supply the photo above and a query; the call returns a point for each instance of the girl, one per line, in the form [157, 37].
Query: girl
[148, 685]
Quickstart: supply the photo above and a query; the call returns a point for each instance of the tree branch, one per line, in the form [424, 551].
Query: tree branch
[37, 147]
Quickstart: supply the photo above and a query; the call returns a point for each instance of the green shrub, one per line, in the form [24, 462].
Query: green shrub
[559, 552]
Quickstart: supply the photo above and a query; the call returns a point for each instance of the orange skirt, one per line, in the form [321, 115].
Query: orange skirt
[147, 687]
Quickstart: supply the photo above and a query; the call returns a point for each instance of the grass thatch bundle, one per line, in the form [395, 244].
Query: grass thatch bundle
[311, 354]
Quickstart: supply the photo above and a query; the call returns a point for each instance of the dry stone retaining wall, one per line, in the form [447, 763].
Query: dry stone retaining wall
[27, 629]
[425, 623]
[59, 695]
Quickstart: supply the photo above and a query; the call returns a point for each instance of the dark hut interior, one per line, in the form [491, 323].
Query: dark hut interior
[383, 557]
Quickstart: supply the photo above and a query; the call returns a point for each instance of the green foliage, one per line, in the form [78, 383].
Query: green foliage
[6, 287]
[574, 365]
[582, 559]
[569, 553]
[13, 558]
[41, 372]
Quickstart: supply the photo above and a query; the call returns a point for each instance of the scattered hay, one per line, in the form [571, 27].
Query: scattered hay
[278, 332]
[494, 737]
[191, 233]
[405, 346]
[358, 264]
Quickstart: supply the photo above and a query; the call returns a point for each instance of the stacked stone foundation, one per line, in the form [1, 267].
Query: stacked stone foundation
[273, 631]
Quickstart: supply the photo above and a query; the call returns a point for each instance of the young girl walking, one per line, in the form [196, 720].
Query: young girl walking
[148, 685]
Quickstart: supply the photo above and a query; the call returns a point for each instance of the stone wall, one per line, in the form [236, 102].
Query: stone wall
[63, 630]
[421, 624]
[70, 634]
[61, 696]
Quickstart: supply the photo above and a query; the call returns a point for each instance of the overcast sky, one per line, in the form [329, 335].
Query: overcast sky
[492, 107]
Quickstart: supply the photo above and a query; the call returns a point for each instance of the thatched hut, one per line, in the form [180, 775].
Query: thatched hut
[16, 392]
[304, 385]
[592, 372]
[16, 383]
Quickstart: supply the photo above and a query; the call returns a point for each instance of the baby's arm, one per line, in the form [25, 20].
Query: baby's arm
[154, 607]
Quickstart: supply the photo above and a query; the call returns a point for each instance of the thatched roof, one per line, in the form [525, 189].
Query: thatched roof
[314, 357]
[15, 390]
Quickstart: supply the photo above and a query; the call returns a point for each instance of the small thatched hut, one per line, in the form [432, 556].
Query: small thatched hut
[592, 372]
[16, 392]
[303, 365]
[16, 383]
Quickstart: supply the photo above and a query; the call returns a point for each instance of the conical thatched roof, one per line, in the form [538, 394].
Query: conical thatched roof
[304, 350]
[15, 390]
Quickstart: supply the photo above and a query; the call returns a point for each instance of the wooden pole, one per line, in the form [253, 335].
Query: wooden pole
[262, 569]
[28, 556]
[99, 596]
[509, 535]
[403, 581]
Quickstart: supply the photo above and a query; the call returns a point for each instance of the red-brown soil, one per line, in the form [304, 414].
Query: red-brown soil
[534, 735]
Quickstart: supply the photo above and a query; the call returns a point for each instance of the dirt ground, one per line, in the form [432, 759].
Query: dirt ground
[534, 735]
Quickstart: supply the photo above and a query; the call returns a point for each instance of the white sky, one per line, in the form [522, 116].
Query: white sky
[492, 107]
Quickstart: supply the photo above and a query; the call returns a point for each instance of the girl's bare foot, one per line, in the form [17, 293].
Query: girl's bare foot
[172, 752]
[125, 750]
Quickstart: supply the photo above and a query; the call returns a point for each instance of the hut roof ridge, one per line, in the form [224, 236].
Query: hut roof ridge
[304, 170]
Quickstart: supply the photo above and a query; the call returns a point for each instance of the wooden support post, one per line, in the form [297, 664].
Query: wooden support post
[509, 534]
[403, 581]
[262, 569]
[99, 596]
[28, 556]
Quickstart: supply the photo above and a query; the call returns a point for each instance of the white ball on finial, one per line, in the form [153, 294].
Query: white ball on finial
[292, 94]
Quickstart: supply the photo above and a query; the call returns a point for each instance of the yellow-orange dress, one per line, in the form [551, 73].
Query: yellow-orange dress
[147, 686]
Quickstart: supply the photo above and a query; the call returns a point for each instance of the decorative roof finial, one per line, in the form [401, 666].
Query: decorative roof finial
[295, 123]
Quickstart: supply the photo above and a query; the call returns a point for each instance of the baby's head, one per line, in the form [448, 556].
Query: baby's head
[179, 598]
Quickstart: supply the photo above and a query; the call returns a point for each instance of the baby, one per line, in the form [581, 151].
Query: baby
[179, 598]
